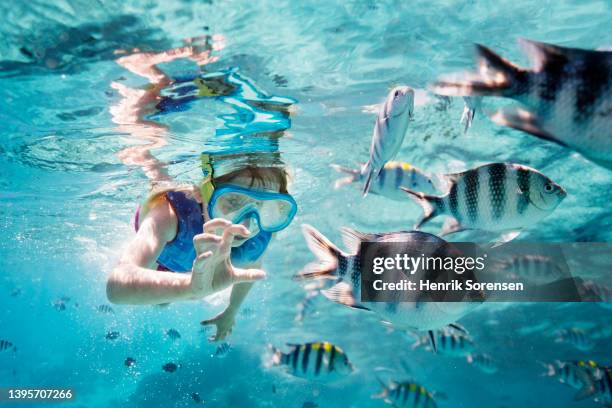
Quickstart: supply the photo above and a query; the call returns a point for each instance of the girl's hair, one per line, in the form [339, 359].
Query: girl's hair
[262, 177]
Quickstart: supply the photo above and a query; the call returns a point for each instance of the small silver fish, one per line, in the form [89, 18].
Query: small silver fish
[493, 197]
[483, 362]
[389, 131]
[577, 338]
[320, 360]
[391, 178]
[407, 394]
[470, 105]
[566, 95]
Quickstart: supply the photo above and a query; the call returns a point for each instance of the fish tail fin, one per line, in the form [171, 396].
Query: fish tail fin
[276, 355]
[384, 392]
[432, 341]
[496, 77]
[353, 175]
[432, 205]
[325, 251]
[368, 182]
[548, 369]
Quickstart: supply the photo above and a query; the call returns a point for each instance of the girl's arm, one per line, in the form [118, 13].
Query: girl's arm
[135, 280]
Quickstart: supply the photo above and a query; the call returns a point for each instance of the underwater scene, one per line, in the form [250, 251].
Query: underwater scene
[209, 203]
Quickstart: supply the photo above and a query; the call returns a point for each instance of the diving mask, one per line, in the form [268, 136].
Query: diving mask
[273, 211]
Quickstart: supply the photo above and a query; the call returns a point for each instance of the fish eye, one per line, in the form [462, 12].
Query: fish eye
[548, 187]
[396, 94]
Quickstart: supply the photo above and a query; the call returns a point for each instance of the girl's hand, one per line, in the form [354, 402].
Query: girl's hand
[224, 322]
[212, 270]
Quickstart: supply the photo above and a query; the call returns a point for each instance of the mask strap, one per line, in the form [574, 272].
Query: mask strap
[207, 187]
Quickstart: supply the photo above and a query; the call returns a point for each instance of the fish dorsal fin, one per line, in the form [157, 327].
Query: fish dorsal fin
[540, 54]
[352, 239]
[343, 293]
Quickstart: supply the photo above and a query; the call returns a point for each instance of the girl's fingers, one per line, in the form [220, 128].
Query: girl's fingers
[202, 241]
[216, 223]
[229, 234]
[201, 258]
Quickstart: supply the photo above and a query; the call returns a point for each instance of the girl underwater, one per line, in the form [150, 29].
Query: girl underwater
[193, 241]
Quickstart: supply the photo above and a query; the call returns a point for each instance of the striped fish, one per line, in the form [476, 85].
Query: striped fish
[410, 312]
[389, 131]
[105, 309]
[406, 394]
[447, 342]
[566, 95]
[602, 387]
[483, 362]
[173, 334]
[313, 360]
[577, 375]
[222, 350]
[392, 177]
[493, 197]
[536, 269]
[6, 345]
[576, 337]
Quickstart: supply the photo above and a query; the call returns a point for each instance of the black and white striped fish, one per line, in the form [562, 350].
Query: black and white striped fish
[566, 95]
[493, 197]
[173, 334]
[389, 131]
[105, 309]
[313, 360]
[576, 374]
[391, 178]
[602, 387]
[536, 269]
[222, 350]
[6, 345]
[410, 311]
[483, 362]
[452, 343]
[578, 338]
[407, 394]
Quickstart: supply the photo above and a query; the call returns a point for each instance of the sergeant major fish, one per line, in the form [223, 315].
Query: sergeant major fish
[6, 345]
[407, 394]
[313, 360]
[577, 374]
[566, 95]
[493, 197]
[536, 269]
[389, 132]
[451, 343]
[576, 337]
[483, 362]
[408, 313]
[173, 334]
[391, 177]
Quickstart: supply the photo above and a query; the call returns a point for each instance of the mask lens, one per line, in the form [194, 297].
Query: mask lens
[274, 212]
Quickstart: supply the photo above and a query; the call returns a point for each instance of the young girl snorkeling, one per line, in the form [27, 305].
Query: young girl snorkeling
[193, 242]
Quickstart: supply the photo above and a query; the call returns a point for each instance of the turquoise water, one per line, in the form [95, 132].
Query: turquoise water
[68, 199]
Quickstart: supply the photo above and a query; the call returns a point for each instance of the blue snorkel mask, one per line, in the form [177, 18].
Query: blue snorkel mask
[272, 211]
